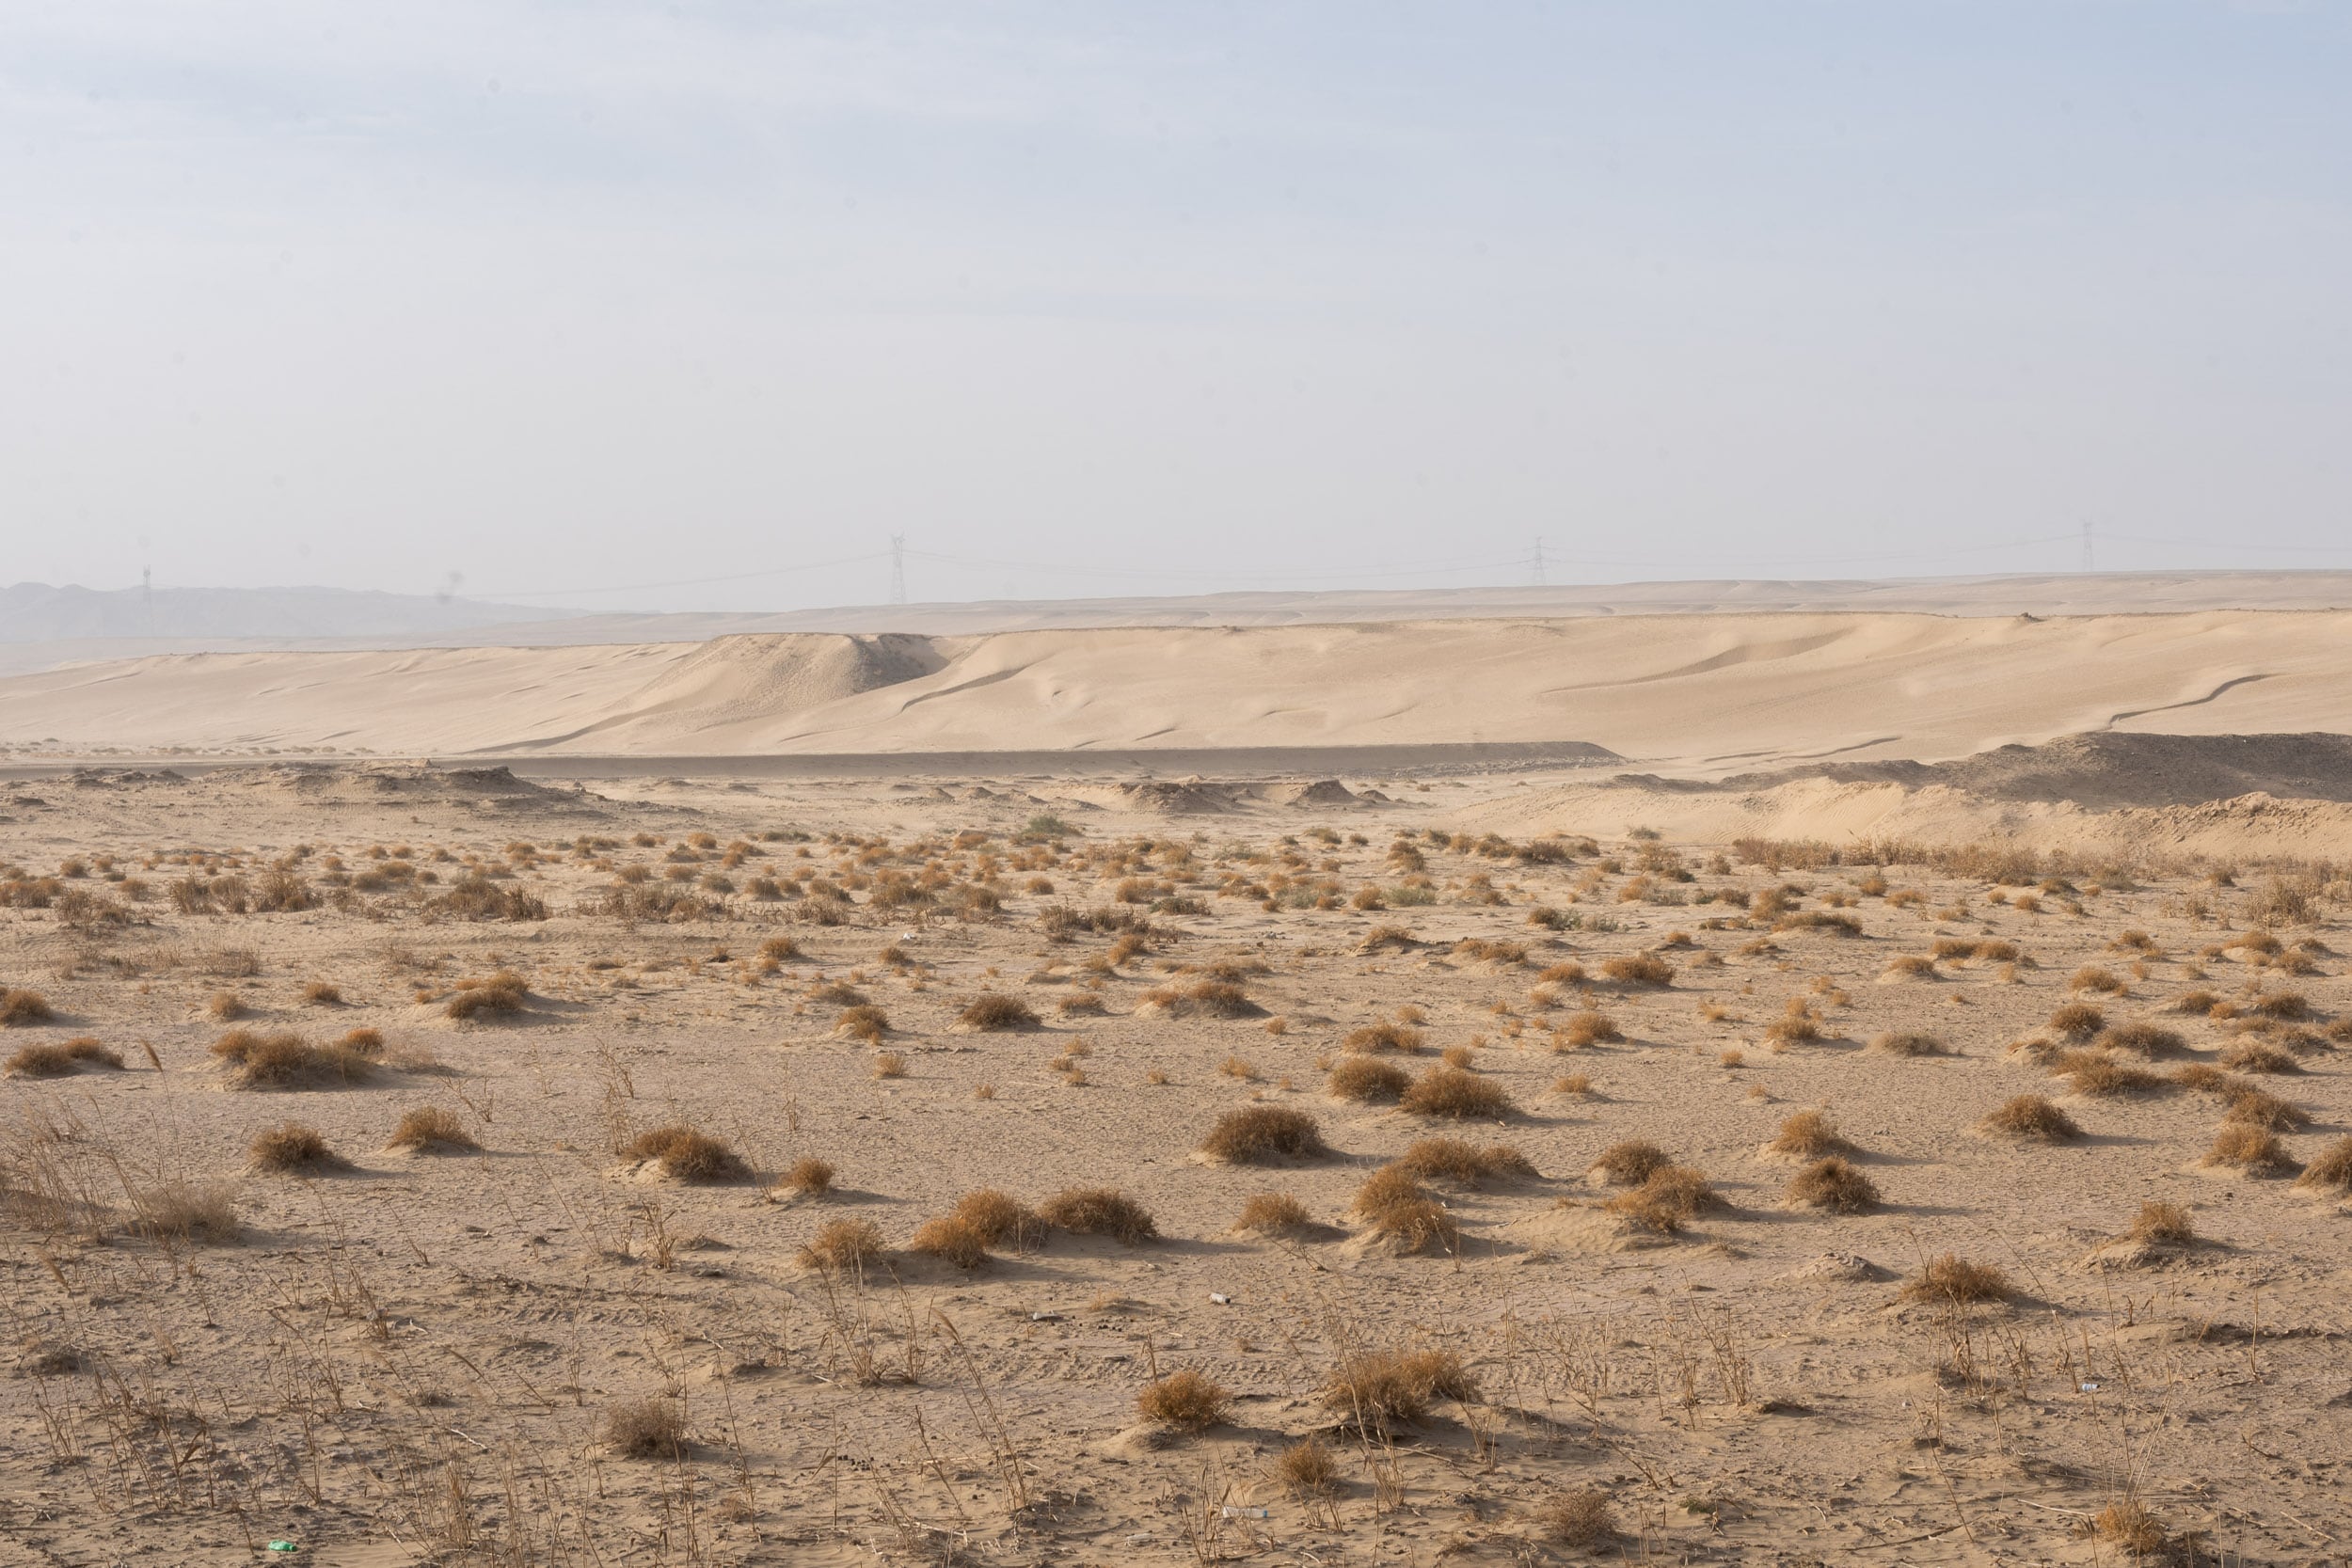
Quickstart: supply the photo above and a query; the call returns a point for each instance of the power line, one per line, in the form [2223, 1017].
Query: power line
[683, 582]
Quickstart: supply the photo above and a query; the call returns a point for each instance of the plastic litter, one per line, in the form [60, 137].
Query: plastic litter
[1220, 1299]
[1232, 1513]
[281, 1546]
[2088, 1388]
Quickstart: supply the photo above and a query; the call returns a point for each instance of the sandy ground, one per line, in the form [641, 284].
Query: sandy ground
[1701, 695]
[419, 1358]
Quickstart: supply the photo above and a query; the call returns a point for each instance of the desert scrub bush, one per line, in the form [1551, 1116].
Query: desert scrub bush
[1261, 1134]
[1833, 1184]
[1459, 1160]
[20, 1006]
[1668, 1199]
[1638, 968]
[502, 992]
[686, 1153]
[999, 1219]
[2033, 1118]
[223, 1007]
[318, 993]
[1588, 1027]
[1630, 1162]
[843, 1244]
[1367, 1080]
[1185, 1400]
[2332, 1170]
[1456, 1094]
[2140, 1040]
[1902, 1043]
[994, 1013]
[1374, 1389]
[1274, 1214]
[1809, 1136]
[2096, 1074]
[862, 1022]
[2077, 1020]
[2258, 1055]
[1099, 1212]
[2162, 1224]
[1796, 1025]
[185, 1211]
[289, 1147]
[809, 1177]
[1081, 1003]
[1383, 1035]
[2091, 978]
[889, 1064]
[1307, 1469]
[2255, 1150]
[645, 1429]
[284, 1060]
[951, 1239]
[430, 1129]
[59, 1061]
[1576, 1517]
[2251, 1107]
[1952, 1279]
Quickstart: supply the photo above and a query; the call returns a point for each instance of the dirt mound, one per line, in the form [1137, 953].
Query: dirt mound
[2106, 769]
[1190, 798]
[387, 781]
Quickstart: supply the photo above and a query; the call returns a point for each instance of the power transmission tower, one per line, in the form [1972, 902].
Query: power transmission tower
[897, 568]
[1535, 565]
[2087, 566]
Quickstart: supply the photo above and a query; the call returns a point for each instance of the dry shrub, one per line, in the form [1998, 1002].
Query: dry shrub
[998, 1218]
[843, 1244]
[2098, 1075]
[1579, 1517]
[2032, 1117]
[362, 1042]
[1589, 1027]
[2162, 1223]
[1458, 1160]
[994, 1013]
[1099, 1212]
[502, 992]
[1638, 968]
[1080, 1003]
[1217, 999]
[1186, 1401]
[1383, 1035]
[2255, 1150]
[1386, 1188]
[318, 993]
[1452, 1092]
[1306, 1469]
[225, 1005]
[862, 1022]
[1574, 1085]
[645, 1429]
[2253, 1107]
[2077, 1020]
[1953, 1280]
[1896, 1043]
[890, 1064]
[284, 1060]
[1274, 1214]
[1668, 1199]
[1630, 1163]
[18, 1006]
[1374, 1389]
[809, 1177]
[1833, 1184]
[2332, 1169]
[2141, 1040]
[186, 1212]
[1796, 1025]
[1369, 1081]
[2258, 1055]
[1261, 1134]
[1381, 937]
[1809, 1136]
[951, 1239]
[1459, 1055]
[688, 1155]
[1917, 966]
[2091, 978]
[57, 1061]
[430, 1129]
[2197, 1002]
[292, 1147]
[2127, 1523]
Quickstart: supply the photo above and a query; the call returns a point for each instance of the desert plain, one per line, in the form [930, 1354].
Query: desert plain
[1846, 1090]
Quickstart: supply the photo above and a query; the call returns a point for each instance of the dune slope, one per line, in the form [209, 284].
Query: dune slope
[1705, 694]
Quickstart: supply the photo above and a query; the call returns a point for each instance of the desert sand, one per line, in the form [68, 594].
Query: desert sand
[537, 1341]
[1698, 694]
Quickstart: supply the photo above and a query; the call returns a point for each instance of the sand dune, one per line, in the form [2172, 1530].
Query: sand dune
[1704, 695]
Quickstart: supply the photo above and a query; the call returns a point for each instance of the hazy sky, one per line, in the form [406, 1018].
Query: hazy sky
[580, 300]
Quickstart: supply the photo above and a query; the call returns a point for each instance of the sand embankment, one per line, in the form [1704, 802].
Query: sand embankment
[1697, 694]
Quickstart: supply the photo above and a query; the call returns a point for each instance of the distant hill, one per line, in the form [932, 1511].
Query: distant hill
[37, 612]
